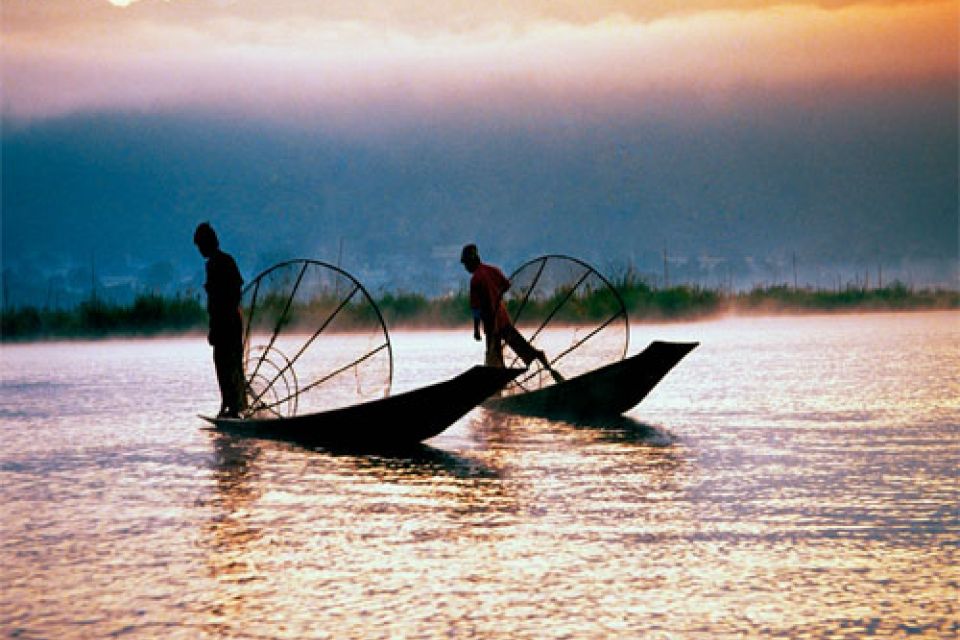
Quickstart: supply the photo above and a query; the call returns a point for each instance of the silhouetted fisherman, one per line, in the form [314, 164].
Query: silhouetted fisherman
[487, 286]
[224, 284]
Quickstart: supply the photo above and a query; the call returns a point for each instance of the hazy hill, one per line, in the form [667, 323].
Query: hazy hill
[125, 191]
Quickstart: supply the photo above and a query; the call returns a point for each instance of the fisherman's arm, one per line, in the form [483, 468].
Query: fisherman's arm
[476, 301]
[476, 324]
[502, 282]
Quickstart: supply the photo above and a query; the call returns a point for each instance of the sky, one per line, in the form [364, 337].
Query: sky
[611, 129]
[308, 61]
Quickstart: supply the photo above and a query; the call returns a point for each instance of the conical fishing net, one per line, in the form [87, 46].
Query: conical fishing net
[564, 307]
[314, 340]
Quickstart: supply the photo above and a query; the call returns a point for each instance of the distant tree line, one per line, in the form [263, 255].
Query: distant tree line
[149, 314]
[686, 301]
[152, 314]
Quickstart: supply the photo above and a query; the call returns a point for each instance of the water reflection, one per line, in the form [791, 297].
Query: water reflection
[627, 430]
[231, 532]
[233, 456]
[417, 462]
[623, 458]
[503, 429]
[236, 476]
[285, 520]
[754, 498]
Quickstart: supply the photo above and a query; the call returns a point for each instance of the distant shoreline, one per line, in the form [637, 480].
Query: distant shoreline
[152, 315]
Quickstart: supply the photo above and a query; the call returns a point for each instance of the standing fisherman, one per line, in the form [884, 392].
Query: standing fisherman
[223, 285]
[487, 286]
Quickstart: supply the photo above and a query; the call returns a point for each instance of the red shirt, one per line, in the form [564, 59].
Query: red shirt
[487, 286]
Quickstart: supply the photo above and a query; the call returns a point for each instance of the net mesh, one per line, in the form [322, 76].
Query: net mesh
[564, 307]
[314, 340]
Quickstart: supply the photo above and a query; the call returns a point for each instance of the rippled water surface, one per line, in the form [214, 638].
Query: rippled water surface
[792, 477]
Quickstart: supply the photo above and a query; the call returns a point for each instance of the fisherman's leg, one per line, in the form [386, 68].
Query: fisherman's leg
[494, 354]
[527, 352]
[238, 400]
[221, 362]
[520, 346]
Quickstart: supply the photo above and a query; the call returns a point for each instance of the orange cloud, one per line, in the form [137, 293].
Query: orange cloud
[413, 15]
[297, 58]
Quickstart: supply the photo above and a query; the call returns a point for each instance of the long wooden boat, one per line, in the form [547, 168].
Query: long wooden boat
[394, 421]
[605, 392]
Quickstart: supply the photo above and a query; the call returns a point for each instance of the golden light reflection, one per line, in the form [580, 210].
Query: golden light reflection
[231, 535]
[761, 511]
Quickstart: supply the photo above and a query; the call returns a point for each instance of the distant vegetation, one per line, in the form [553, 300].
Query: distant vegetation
[148, 315]
[685, 301]
[891, 298]
[153, 314]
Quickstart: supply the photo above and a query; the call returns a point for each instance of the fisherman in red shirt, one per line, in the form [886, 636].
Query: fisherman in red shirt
[487, 286]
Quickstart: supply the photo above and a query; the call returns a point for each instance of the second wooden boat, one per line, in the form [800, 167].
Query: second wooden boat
[605, 392]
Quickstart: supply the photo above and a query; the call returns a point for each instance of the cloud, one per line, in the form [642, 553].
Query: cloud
[416, 16]
[333, 60]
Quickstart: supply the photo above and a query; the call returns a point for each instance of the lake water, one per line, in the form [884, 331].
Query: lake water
[792, 477]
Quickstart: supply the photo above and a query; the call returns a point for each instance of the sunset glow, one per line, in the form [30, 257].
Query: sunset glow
[162, 55]
[750, 129]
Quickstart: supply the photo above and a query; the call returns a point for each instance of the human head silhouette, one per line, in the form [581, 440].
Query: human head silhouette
[470, 257]
[206, 239]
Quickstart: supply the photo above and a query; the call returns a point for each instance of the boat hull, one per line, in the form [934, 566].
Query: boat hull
[605, 392]
[395, 421]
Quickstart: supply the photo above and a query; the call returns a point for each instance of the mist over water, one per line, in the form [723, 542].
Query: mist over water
[792, 476]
